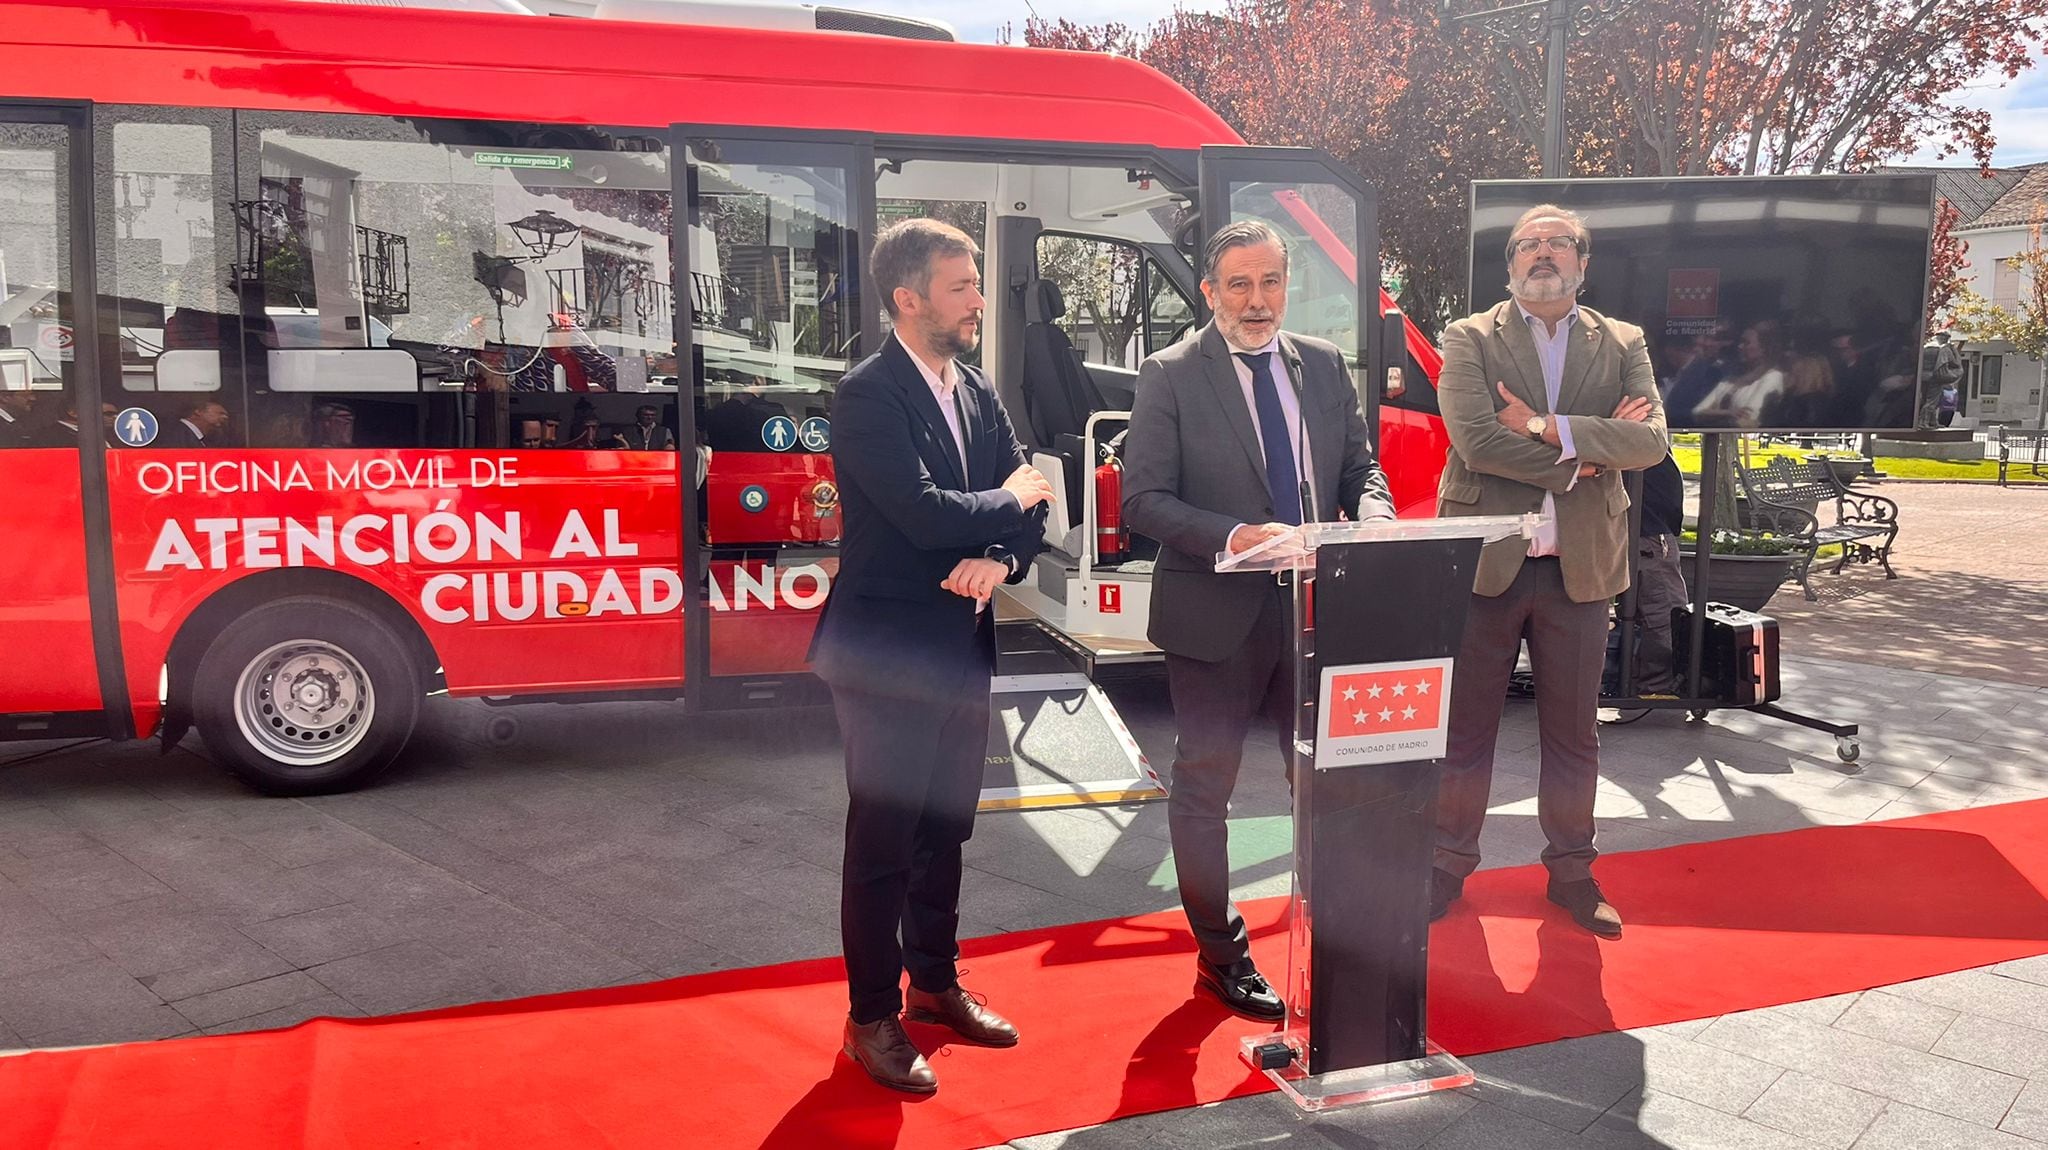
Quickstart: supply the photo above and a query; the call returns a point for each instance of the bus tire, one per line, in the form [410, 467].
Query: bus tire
[306, 695]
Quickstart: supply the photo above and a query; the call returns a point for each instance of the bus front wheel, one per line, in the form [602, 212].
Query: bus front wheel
[306, 695]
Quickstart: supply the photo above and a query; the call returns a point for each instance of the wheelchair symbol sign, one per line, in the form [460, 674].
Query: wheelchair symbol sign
[754, 497]
[779, 433]
[816, 434]
[136, 427]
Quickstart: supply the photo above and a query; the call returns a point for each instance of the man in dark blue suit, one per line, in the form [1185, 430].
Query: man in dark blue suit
[939, 507]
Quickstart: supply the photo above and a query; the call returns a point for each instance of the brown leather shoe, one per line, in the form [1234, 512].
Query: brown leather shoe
[959, 1012]
[1589, 908]
[885, 1052]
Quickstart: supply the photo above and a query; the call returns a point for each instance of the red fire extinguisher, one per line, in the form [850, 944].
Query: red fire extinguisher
[1112, 538]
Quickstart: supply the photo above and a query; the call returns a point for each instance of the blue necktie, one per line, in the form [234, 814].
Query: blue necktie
[1283, 482]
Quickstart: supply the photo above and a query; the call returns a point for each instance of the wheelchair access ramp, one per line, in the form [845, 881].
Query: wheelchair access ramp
[1055, 739]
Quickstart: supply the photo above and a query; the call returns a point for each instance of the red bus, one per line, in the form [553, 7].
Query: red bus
[351, 354]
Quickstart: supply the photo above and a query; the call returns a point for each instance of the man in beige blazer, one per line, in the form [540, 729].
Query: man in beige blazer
[1546, 403]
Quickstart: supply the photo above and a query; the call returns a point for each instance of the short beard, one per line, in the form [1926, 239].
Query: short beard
[1545, 291]
[948, 342]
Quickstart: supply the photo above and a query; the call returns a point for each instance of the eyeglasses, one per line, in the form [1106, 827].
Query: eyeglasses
[1558, 244]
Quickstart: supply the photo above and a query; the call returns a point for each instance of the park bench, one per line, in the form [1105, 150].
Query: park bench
[1785, 497]
[2018, 446]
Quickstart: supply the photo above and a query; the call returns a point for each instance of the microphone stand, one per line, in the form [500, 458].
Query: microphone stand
[1305, 479]
[1301, 739]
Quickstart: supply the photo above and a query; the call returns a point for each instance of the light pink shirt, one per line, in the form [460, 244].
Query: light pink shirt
[943, 384]
[1551, 349]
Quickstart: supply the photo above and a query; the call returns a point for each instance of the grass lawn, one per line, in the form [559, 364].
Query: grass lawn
[1688, 455]
[1985, 469]
[1687, 452]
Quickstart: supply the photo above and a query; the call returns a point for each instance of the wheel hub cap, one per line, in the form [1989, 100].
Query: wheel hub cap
[304, 703]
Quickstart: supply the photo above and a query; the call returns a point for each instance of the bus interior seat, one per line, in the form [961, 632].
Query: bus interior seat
[1059, 391]
[1059, 395]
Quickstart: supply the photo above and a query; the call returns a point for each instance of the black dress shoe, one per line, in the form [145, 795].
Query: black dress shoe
[1445, 888]
[1589, 908]
[1242, 988]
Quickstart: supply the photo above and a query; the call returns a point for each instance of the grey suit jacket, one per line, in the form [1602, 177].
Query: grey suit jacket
[1194, 470]
[1494, 471]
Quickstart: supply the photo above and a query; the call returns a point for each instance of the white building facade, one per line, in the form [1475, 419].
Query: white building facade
[2004, 387]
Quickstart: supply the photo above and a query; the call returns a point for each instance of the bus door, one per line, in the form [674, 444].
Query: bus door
[1083, 272]
[52, 434]
[769, 317]
[1330, 220]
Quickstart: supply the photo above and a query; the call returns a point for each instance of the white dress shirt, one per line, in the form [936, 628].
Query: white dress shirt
[943, 385]
[1290, 404]
[1290, 410]
[1290, 407]
[1551, 349]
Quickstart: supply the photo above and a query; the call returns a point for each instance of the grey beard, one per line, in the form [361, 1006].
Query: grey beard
[1545, 291]
[1235, 332]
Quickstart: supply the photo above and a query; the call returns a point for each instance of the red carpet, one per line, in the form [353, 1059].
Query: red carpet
[747, 1058]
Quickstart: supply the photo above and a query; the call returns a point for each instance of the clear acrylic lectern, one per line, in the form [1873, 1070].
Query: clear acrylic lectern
[1379, 610]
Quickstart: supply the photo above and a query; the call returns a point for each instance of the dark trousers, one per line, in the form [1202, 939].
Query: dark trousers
[1213, 707]
[913, 778]
[1567, 646]
[1660, 586]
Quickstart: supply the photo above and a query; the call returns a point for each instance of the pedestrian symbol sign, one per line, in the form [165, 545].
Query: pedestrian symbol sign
[754, 498]
[816, 434]
[779, 433]
[136, 427]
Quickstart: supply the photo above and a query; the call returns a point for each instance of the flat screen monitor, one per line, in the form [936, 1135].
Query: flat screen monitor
[1770, 303]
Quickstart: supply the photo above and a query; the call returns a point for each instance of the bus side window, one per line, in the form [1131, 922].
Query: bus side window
[36, 385]
[1169, 315]
[458, 284]
[1120, 307]
[169, 272]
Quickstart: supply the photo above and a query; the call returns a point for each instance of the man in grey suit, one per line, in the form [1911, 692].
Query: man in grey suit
[1546, 403]
[1236, 432]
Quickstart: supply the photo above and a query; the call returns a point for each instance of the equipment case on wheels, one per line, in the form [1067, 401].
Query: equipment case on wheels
[1739, 655]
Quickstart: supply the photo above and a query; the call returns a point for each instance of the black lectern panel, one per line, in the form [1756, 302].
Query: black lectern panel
[1366, 844]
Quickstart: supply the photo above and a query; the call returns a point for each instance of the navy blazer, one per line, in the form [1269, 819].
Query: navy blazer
[909, 516]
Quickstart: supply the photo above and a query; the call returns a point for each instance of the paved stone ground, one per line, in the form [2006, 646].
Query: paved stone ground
[1971, 599]
[149, 896]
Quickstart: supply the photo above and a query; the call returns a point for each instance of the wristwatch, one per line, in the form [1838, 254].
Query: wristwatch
[1536, 426]
[1003, 555]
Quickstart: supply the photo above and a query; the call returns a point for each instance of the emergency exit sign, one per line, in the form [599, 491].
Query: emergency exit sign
[524, 160]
